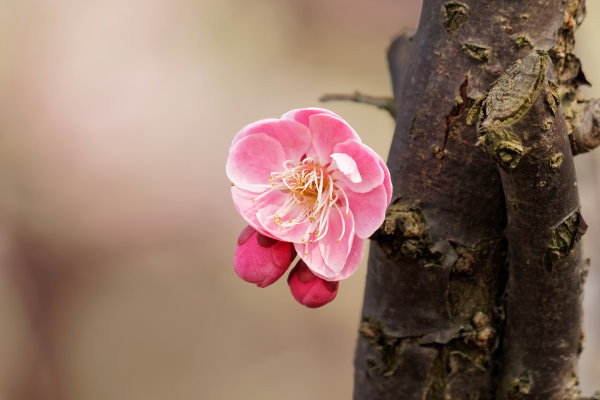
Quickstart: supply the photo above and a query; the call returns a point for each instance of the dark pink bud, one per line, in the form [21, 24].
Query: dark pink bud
[260, 259]
[310, 290]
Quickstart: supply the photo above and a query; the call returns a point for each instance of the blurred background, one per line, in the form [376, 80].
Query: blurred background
[117, 230]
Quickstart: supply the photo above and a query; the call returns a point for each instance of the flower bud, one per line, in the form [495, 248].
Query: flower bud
[310, 290]
[260, 259]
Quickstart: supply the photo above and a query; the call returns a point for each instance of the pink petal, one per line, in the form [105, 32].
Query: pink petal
[347, 166]
[368, 210]
[354, 258]
[261, 260]
[248, 204]
[310, 290]
[294, 137]
[319, 267]
[252, 159]
[329, 131]
[368, 166]
[266, 219]
[387, 182]
[311, 255]
[333, 248]
[302, 115]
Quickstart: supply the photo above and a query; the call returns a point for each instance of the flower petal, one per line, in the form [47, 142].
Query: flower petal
[354, 258]
[311, 255]
[327, 256]
[294, 137]
[348, 166]
[248, 204]
[368, 166]
[387, 182]
[281, 208]
[368, 210]
[252, 159]
[302, 115]
[335, 245]
[329, 131]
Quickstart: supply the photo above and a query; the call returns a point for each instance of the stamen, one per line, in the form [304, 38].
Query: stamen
[312, 194]
[343, 223]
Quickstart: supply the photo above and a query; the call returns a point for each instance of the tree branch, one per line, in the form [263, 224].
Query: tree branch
[524, 131]
[381, 102]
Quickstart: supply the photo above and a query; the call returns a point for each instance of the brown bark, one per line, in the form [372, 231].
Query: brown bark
[433, 317]
[524, 131]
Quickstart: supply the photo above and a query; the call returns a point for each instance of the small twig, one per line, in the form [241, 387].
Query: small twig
[382, 102]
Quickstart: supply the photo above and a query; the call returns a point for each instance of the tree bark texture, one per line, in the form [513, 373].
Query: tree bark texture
[474, 280]
[524, 131]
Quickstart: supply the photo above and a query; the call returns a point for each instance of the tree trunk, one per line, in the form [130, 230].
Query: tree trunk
[474, 281]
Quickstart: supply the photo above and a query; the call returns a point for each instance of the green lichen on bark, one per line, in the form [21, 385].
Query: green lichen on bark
[547, 125]
[553, 97]
[556, 160]
[562, 237]
[478, 52]
[509, 99]
[515, 91]
[503, 146]
[474, 113]
[522, 41]
[454, 13]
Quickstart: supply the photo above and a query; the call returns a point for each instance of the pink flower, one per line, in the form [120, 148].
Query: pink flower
[260, 259]
[308, 179]
[310, 290]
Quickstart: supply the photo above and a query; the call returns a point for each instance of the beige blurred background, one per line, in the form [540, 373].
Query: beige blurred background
[117, 229]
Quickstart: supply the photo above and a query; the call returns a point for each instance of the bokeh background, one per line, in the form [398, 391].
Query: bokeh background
[117, 230]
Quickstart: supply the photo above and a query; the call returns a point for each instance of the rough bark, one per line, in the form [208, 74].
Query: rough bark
[524, 131]
[433, 315]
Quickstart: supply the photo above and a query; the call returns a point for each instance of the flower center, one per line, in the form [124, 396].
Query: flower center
[314, 194]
